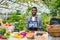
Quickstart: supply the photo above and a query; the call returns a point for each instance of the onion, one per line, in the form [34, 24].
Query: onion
[23, 33]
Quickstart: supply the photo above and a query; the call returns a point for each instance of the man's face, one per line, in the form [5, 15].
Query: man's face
[34, 11]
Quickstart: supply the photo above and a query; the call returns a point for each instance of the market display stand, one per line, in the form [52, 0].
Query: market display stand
[11, 38]
[25, 38]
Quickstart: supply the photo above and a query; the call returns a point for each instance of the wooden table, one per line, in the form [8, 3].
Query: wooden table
[49, 38]
[25, 38]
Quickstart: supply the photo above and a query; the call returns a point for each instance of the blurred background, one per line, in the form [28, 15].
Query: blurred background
[15, 11]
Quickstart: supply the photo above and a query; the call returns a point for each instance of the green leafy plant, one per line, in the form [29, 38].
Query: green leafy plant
[7, 35]
[54, 6]
[45, 20]
[21, 25]
[3, 30]
[28, 11]
[14, 17]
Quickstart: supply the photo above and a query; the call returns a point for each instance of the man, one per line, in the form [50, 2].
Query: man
[34, 22]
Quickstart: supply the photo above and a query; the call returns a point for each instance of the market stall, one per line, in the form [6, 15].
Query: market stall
[8, 32]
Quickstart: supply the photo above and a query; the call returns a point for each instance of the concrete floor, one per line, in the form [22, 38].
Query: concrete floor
[53, 38]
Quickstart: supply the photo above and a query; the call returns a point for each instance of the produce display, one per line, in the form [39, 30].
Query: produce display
[30, 35]
[2, 37]
[17, 35]
[7, 24]
[2, 31]
[18, 32]
[41, 36]
[21, 34]
[7, 35]
[13, 14]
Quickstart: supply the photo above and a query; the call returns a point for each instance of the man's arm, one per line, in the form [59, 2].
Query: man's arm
[40, 23]
[27, 19]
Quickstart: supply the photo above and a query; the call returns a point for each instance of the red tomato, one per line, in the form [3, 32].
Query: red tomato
[7, 24]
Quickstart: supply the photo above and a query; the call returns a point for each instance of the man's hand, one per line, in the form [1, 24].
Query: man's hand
[49, 26]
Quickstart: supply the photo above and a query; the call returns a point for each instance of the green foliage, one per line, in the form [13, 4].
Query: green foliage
[54, 6]
[17, 12]
[4, 20]
[18, 0]
[52, 3]
[21, 24]
[45, 20]
[2, 30]
[25, 0]
[7, 35]
[28, 11]
[14, 17]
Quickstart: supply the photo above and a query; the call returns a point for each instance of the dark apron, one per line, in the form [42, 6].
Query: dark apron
[33, 25]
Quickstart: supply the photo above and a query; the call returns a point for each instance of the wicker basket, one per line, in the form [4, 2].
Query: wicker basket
[55, 31]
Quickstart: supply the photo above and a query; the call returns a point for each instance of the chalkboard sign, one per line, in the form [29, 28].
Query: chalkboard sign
[54, 21]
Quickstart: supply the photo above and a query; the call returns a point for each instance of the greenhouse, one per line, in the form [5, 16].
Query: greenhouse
[30, 19]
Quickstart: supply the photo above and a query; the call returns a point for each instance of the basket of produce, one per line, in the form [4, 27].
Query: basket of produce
[30, 35]
[41, 35]
[54, 30]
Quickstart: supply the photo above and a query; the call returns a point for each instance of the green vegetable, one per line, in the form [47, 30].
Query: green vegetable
[46, 20]
[7, 35]
[2, 30]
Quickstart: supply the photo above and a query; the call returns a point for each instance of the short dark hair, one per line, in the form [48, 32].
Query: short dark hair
[34, 8]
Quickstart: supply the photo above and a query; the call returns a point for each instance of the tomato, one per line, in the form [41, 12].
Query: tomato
[7, 24]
